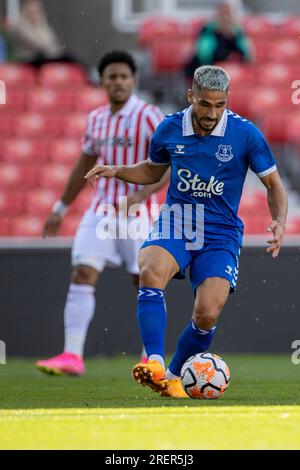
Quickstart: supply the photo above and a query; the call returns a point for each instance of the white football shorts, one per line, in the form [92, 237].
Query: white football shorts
[89, 249]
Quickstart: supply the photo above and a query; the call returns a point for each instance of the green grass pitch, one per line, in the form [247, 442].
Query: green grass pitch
[106, 409]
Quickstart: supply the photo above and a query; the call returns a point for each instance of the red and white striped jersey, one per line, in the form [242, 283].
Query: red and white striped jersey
[120, 139]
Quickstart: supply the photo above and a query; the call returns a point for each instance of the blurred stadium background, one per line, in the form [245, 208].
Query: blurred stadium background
[40, 129]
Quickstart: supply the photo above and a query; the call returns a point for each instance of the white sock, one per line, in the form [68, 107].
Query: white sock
[157, 357]
[79, 311]
[171, 376]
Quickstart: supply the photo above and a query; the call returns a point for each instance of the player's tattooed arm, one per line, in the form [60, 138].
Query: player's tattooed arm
[140, 173]
[278, 205]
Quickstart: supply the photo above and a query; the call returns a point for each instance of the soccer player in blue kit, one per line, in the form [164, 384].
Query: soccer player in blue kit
[209, 149]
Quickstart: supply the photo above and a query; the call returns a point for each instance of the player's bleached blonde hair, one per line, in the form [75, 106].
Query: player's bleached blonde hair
[211, 77]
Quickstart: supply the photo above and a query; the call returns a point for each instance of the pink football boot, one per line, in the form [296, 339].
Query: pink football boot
[63, 364]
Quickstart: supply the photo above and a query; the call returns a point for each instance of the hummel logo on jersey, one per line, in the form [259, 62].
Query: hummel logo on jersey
[224, 153]
[180, 149]
[229, 270]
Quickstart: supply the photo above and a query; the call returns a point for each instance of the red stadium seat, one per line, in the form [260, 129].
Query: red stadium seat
[27, 226]
[265, 99]
[277, 74]
[260, 50]
[290, 27]
[83, 201]
[70, 225]
[158, 28]
[39, 202]
[47, 99]
[168, 55]
[54, 176]
[5, 226]
[6, 125]
[293, 128]
[259, 26]
[285, 50]
[18, 176]
[14, 75]
[24, 150]
[15, 102]
[238, 101]
[62, 75]
[193, 27]
[37, 125]
[275, 125]
[11, 203]
[240, 74]
[88, 98]
[65, 150]
[74, 124]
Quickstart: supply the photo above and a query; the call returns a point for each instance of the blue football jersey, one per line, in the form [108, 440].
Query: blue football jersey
[211, 170]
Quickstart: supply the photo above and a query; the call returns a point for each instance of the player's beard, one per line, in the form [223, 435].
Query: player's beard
[199, 122]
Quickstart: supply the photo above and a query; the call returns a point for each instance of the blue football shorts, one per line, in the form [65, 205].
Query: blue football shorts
[214, 259]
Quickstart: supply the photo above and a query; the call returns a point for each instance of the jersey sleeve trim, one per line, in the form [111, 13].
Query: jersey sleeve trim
[267, 172]
[151, 162]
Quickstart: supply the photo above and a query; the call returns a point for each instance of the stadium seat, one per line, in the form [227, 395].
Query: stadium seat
[285, 50]
[70, 225]
[65, 150]
[260, 50]
[18, 176]
[37, 125]
[62, 75]
[158, 28]
[83, 201]
[15, 102]
[15, 75]
[193, 27]
[240, 74]
[47, 99]
[264, 99]
[5, 226]
[277, 74]
[238, 101]
[275, 126]
[168, 55]
[27, 226]
[54, 176]
[38, 202]
[290, 27]
[11, 203]
[293, 128]
[258, 26]
[24, 150]
[6, 125]
[88, 98]
[74, 124]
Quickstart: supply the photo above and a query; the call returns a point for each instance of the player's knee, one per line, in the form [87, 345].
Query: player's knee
[206, 316]
[84, 275]
[149, 276]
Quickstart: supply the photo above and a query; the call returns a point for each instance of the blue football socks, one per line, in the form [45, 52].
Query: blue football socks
[152, 319]
[192, 341]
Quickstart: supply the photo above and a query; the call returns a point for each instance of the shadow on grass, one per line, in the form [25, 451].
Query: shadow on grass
[262, 380]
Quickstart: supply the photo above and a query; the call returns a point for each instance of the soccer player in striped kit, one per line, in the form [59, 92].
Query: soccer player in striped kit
[116, 134]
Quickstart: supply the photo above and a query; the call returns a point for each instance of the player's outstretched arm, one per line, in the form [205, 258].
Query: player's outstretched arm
[73, 187]
[141, 173]
[278, 204]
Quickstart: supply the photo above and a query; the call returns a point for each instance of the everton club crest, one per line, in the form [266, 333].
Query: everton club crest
[224, 153]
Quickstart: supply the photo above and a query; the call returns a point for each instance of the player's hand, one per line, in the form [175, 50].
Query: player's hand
[278, 231]
[52, 225]
[100, 171]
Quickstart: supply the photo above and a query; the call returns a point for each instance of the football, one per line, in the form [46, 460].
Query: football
[205, 376]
